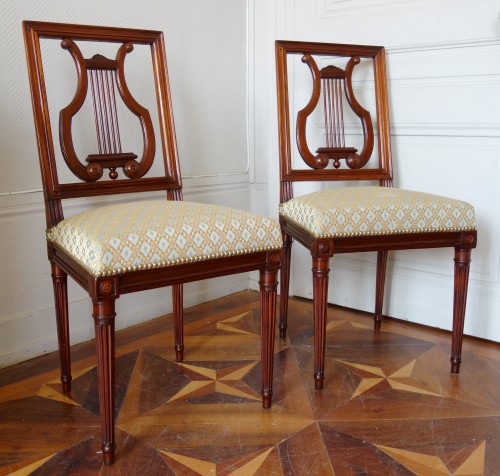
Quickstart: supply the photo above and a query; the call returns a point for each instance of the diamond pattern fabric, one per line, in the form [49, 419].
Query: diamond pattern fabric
[155, 233]
[361, 211]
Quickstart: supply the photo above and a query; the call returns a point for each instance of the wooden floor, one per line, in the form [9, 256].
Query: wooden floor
[389, 406]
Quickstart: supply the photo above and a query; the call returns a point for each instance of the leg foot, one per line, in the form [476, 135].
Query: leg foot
[108, 453]
[179, 353]
[267, 398]
[282, 328]
[319, 378]
[455, 365]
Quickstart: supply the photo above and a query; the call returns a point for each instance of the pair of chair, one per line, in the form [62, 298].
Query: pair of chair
[126, 247]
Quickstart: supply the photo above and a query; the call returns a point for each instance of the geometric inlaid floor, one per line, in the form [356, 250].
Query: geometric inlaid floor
[389, 405]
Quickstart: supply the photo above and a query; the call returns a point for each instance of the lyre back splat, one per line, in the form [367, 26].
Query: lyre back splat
[333, 84]
[106, 80]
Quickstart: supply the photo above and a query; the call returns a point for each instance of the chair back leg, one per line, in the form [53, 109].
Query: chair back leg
[462, 265]
[60, 284]
[380, 287]
[178, 307]
[285, 283]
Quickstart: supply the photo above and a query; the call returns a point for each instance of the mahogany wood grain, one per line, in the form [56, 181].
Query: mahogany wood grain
[462, 265]
[60, 286]
[268, 285]
[177, 299]
[320, 271]
[380, 287]
[285, 282]
[104, 324]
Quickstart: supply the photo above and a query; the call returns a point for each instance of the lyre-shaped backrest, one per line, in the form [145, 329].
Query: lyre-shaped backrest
[101, 84]
[332, 94]
[334, 85]
[105, 78]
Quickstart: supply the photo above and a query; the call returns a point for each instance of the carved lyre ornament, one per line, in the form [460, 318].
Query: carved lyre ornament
[104, 77]
[332, 83]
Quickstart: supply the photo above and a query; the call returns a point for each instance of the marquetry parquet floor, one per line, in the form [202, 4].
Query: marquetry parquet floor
[389, 406]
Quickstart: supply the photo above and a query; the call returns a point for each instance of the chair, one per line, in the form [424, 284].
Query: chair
[117, 246]
[355, 217]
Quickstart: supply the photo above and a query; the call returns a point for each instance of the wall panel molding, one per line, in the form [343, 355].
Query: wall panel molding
[445, 45]
[329, 8]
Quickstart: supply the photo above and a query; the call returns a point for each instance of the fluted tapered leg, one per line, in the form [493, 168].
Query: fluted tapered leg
[60, 284]
[462, 265]
[320, 272]
[380, 286]
[178, 305]
[268, 289]
[285, 283]
[104, 324]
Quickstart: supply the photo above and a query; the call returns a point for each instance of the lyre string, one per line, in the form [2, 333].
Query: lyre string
[105, 111]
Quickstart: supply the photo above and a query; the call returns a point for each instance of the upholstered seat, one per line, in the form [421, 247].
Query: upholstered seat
[156, 233]
[361, 211]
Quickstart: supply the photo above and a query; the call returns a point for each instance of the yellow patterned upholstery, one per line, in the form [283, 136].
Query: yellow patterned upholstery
[156, 233]
[361, 211]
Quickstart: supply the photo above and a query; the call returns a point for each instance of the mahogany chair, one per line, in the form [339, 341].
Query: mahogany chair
[127, 246]
[353, 217]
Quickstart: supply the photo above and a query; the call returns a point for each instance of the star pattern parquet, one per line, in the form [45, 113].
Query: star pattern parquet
[389, 406]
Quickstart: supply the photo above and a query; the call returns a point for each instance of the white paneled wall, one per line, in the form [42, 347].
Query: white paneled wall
[444, 82]
[444, 91]
[208, 70]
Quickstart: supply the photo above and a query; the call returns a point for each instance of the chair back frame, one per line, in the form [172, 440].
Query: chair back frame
[317, 170]
[89, 184]
[105, 290]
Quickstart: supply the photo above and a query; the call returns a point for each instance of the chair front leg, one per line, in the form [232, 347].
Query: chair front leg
[379, 289]
[320, 271]
[268, 289]
[60, 285]
[462, 265]
[285, 283]
[178, 306]
[104, 324]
